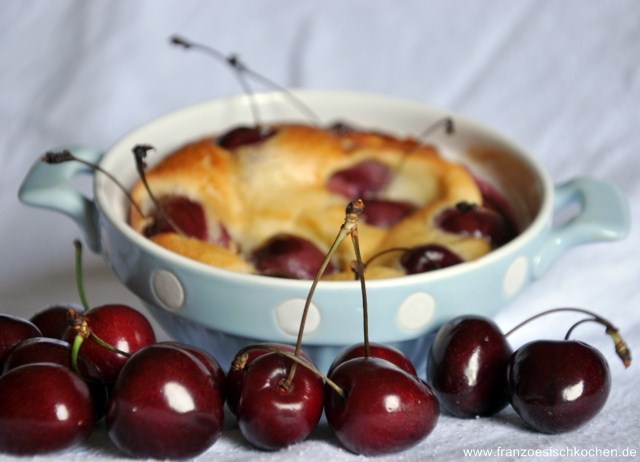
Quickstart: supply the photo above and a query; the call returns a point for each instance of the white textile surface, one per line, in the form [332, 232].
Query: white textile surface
[561, 78]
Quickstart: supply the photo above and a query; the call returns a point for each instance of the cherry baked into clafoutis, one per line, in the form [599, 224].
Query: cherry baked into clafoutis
[263, 200]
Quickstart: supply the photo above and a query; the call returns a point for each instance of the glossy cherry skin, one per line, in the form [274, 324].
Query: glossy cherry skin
[39, 350]
[52, 350]
[164, 405]
[428, 257]
[120, 326]
[272, 415]
[385, 213]
[53, 321]
[478, 221]
[376, 350]
[363, 179]
[211, 363]
[13, 330]
[240, 365]
[557, 386]
[289, 256]
[44, 408]
[384, 410]
[467, 366]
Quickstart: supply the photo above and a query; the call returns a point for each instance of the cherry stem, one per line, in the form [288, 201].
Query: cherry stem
[365, 306]
[311, 367]
[108, 346]
[75, 351]
[79, 323]
[445, 122]
[79, 275]
[66, 156]
[583, 321]
[621, 347]
[352, 215]
[241, 68]
[140, 153]
[380, 254]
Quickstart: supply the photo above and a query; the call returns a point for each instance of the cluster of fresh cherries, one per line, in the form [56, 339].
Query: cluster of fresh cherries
[555, 386]
[69, 366]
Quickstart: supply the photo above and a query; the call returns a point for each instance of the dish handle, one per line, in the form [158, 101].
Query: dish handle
[49, 186]
[602, 215]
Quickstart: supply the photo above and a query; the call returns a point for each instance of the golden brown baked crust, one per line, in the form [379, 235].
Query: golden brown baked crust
[279, 185]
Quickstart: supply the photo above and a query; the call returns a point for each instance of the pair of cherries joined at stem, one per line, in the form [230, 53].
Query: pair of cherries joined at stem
[553, 385]
[371, 397]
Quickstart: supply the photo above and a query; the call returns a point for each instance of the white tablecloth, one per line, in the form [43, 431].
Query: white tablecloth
[561, 78]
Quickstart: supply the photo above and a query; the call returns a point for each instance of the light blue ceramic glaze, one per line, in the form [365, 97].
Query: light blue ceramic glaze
[224, 311]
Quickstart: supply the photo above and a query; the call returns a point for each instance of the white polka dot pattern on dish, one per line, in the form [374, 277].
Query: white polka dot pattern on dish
[167, 289]
[516, 276]
[416, 311]
[289, 313]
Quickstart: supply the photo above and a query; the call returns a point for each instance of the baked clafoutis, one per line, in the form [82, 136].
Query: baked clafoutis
[266, 199]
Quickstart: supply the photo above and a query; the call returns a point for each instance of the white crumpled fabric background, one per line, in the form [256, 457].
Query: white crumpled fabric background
[561, 78]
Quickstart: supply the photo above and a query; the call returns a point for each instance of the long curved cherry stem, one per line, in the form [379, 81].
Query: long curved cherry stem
[66, 156]
[79, 275]
[352, 215]
[140, 153]
[365, 305]
[240, 69]
[621, 347]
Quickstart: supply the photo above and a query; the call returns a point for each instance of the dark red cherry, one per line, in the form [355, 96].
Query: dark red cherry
[495, 200]
[188, 215]
[211, 363]
[244, 136]
[557, 386]
[272, 413]
[385, 213]
[384, 409]
[53, 321]
[289, 256]
[119, 326]
[39, 350]
[164, 405]
[44, 408]
[363, 179]
[13, 330]
[376, 350]
[428, 257]
[467, 366]
[240, 365]
[478, 221]
[56, 351]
